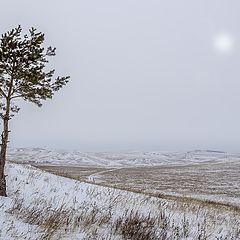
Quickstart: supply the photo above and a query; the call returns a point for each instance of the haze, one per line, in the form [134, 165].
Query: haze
[145, 75]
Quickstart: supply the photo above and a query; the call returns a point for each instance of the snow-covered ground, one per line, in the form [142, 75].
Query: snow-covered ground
[121, 159]
[208, 175]
[44, 206]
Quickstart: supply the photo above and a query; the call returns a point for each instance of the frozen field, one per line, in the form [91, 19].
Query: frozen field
[205, 175]
[42, 206]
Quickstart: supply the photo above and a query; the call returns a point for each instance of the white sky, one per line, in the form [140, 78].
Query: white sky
[145, 75]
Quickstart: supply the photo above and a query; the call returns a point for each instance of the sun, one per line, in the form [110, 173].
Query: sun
[224, 43]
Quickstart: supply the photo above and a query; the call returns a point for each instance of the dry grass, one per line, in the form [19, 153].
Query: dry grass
[124, 215]
[213, 182]
[75, 173]
[57, 222]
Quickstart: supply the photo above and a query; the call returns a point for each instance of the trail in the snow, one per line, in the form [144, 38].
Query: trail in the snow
[93, 177]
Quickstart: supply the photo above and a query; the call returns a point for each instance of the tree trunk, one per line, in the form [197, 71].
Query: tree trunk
[4, 143]
[2, 178]
[3, 152]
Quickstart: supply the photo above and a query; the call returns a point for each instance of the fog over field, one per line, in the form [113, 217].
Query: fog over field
[158, 75]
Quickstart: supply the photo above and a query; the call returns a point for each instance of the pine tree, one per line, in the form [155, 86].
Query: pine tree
[23, 75]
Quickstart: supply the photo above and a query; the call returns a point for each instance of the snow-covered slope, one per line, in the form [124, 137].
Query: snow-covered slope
[44, 206]
[47, 156]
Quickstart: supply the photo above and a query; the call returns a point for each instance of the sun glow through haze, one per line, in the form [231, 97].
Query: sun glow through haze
[224, 43]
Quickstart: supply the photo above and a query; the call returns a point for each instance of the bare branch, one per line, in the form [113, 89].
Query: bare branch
[17, 96]
[2, 115]
[2, 93]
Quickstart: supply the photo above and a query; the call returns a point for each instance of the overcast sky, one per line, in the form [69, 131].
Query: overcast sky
[145, 75]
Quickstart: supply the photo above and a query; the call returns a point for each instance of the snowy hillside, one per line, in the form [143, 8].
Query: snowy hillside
[207, 175]
[61, 157]
[44, 206]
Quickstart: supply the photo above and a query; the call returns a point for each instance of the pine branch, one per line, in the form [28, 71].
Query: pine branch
[17, 96]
